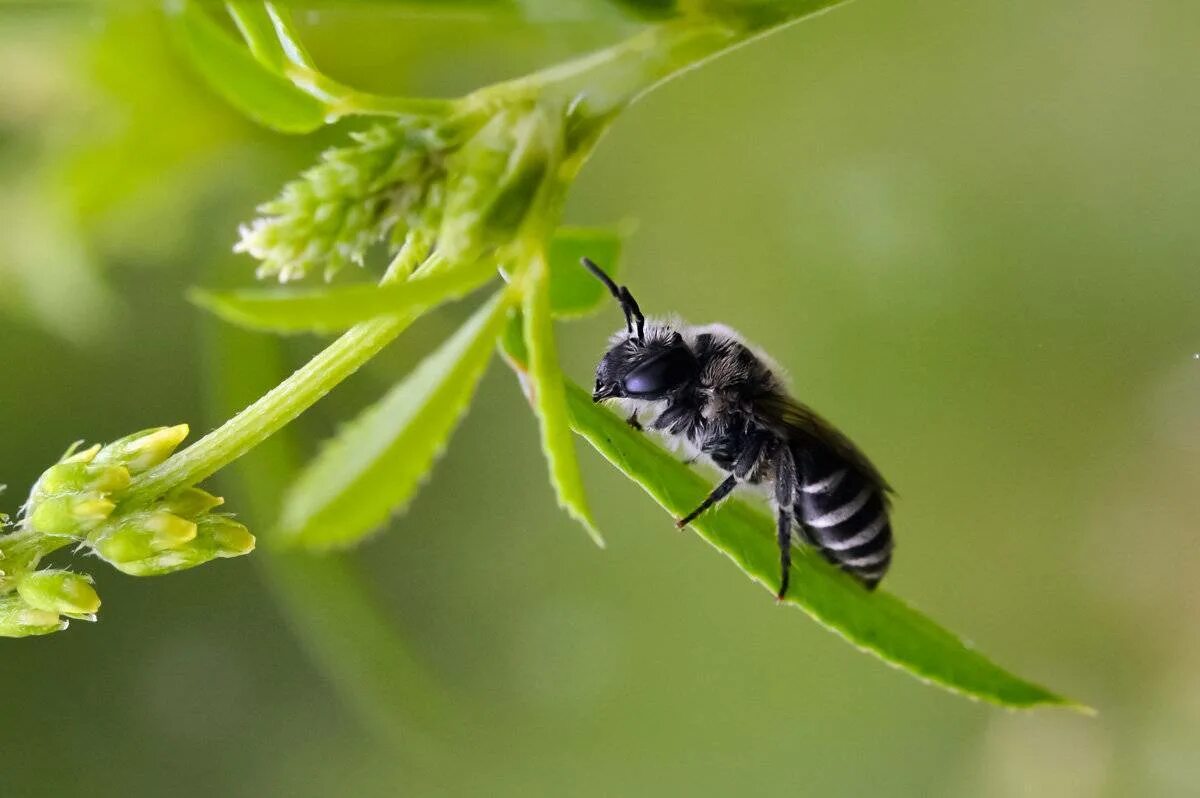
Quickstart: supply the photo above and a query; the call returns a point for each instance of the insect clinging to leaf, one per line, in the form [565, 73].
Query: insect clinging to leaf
[706, 388]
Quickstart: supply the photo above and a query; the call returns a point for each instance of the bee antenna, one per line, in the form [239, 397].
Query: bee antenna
[620, 293]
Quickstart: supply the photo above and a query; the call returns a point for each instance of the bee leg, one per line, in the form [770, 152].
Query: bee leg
[633, 421]
[783, 532]
[719, 492]
[787, 485]
[742, 469]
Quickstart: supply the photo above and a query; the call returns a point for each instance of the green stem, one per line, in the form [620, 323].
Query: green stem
[343, 101]
[288, 399]
[603, 82]
[269, 33]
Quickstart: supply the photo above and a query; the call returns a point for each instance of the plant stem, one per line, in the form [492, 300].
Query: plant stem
[288, 399]
[344, 101]
[606, 81]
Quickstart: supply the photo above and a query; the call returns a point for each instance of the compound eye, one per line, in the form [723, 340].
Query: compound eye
[661, 374]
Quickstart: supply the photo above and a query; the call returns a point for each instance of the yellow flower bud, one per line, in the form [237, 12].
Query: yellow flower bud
[169, 530]
[143, 450]
[76, 477]
[18, 619]
[60, 592]
[81, 456]
[230, 538]
[192, 502]
[70, 514]
[142, 535]
[137, 548]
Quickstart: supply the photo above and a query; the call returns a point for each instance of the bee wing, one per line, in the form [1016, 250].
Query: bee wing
[803, 427]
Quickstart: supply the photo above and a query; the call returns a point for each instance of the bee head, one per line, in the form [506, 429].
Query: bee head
[641, 364]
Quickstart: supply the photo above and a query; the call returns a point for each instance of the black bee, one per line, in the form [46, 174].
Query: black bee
[707, 389]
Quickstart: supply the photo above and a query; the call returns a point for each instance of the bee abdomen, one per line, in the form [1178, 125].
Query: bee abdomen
[844, 515]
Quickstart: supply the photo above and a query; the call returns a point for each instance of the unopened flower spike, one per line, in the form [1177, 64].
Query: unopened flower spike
[61, 592]
[355, 197]
[82, 499]
[143, 450]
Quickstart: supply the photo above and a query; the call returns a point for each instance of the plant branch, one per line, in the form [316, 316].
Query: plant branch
[288, 399]
[610, 79]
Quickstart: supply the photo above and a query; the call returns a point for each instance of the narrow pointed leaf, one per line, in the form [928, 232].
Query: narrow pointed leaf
[234, 73]
[876, 622]
[549, 400]
[574, 292]
[333, 308]
[257, 28]
[289, 40]
[373, 466]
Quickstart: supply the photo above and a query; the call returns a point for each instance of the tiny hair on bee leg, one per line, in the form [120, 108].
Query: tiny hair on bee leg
[783, 533]
[787, 485]
[620, 293]
[719, 492]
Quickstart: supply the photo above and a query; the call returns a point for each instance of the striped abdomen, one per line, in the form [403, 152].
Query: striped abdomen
[844, 513]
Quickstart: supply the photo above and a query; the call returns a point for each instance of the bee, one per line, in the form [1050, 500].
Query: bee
[707, 389]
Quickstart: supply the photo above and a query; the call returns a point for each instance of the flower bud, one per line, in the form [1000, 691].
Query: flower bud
[81, 456]
[142, 535]
[191, 502]
[143, 450]
[216, 536]
[18, 619]
[72, 514]
[76, 477]
[60, 592]
[228, 537]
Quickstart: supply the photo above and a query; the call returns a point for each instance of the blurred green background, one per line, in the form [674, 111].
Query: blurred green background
[968, 230]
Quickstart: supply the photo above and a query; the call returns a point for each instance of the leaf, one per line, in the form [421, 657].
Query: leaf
[373, 466]
[236, 75]
[289, 40]
[876, 622]
[549, 400]
[270, 35]
[574, 292]
[333, 308]
[258, 30]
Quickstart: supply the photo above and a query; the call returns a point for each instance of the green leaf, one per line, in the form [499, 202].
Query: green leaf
[549, 400]
[257, 29]
[333, 308]
[269, 33]
[236, 75]
[289, 40]
[876, 622]
[574, 292]
[373, 466]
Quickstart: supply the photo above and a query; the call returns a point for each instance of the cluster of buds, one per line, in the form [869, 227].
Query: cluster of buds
[354, 198]
[79, 501]
[471, 181]
[43, 600]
